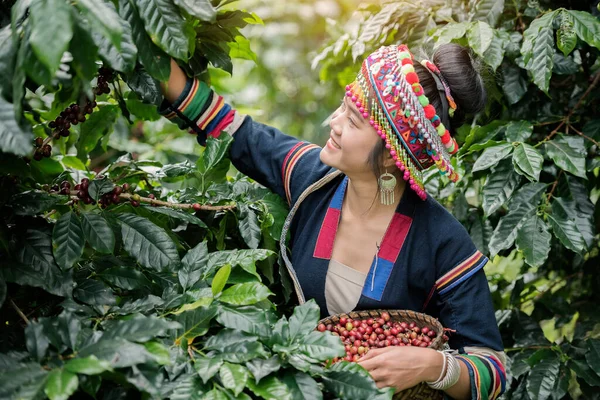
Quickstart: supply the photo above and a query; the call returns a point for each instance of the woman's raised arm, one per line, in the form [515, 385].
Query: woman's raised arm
[280, 162]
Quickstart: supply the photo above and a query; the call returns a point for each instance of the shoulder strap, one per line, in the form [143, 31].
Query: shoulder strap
[286, 226]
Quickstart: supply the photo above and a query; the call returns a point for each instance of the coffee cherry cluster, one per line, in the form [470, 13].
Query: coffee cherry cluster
[73, 115]
[41, 150]
[359, 335]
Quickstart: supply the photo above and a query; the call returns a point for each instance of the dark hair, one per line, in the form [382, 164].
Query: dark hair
[466, 86]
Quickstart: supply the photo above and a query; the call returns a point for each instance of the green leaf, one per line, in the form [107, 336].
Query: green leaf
[244, 258]
[302, 386]
[201, 9]
[528, 161]
[147, 243]
[159, 351]
[491, 156]
[166, 27]
[51, 31]
[99, 187]
[533, 239]
[244, 294]
[189, 387]
[22, 379]
[499, 187]
[489, 11]
[270, 388]
[514, 84]
[13, 138]
[450, 32]
[95, 293]
[216, 150]
[207, 367]
[240, 48]
[177, 214]
[592, 354]
[518, 131]
[321, 346]
[87, 366]
[304, 320]
[584, 371]
[120, 58]
[145, 86]
[587, 27]
[233, 377]
[97, 232]
[97, 125]
[139, 328]
[192, 265]
[543, 59]
[506, 231]
[33, 202]
[220, 279]
[260, 368]
[67, 240]
[36, 340]
[566, 37]
[126, 277]
[61, 384]
[543, 376]
[226, 338]
[531, 34]
[528, 193]
[84, 52]
[564, 65]
[8, 50]
[154, 60]
[36, 266]
[564, 225]
[103, 19]
[202, 298]
[568, 155]
[194, 323]
[494, 55]
[248, 319]
[480, 36]
[119, 352]
[351, 381]
[249, 226]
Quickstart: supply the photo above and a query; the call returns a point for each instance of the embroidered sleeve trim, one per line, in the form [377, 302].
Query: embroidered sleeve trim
[461, 272]
[289, 163]
[488, 376]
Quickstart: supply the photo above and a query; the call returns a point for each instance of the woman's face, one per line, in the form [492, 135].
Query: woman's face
[351, 140]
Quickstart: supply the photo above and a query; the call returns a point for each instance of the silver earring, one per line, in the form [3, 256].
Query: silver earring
[387, 184]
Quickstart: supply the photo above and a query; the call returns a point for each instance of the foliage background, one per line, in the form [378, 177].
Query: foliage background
[528, 196]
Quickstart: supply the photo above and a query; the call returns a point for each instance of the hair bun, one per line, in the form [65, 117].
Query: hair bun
[461, 73]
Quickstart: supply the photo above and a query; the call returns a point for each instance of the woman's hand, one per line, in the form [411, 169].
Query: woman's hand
[402, 367]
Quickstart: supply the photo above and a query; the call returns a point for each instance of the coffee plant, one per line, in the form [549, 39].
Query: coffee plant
[124, 276]
[530, 166]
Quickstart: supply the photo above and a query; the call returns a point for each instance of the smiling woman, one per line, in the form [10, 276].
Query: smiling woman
[351, 252]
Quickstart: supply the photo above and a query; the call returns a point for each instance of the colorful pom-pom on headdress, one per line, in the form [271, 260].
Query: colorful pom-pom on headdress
[387, 92]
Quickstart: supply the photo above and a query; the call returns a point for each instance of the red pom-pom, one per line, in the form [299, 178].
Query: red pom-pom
[429, 111]
[406, 61]
[412, 77]
[446, 138]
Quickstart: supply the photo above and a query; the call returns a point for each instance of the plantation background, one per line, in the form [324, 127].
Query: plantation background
[109, 302]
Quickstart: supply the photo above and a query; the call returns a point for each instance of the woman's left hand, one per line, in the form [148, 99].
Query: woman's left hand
[402, 367]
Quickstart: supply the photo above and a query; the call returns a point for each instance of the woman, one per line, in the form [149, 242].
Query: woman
[364, 233]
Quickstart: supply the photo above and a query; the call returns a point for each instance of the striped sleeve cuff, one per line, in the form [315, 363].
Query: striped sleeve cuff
[289, 163]
[461, 272]
[202, 111]
[487, 375]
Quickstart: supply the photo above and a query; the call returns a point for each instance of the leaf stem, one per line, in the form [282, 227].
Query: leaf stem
[566, 119]
[18, 310]
[207, 207]
[585, 137]
[553, 186]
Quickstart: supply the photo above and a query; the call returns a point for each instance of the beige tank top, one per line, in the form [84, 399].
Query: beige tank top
[343, 287]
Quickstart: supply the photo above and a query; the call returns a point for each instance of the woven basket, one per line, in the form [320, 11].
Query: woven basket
[421, 391]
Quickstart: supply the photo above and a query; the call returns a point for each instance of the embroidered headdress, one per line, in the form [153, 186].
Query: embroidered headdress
[387, 92]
